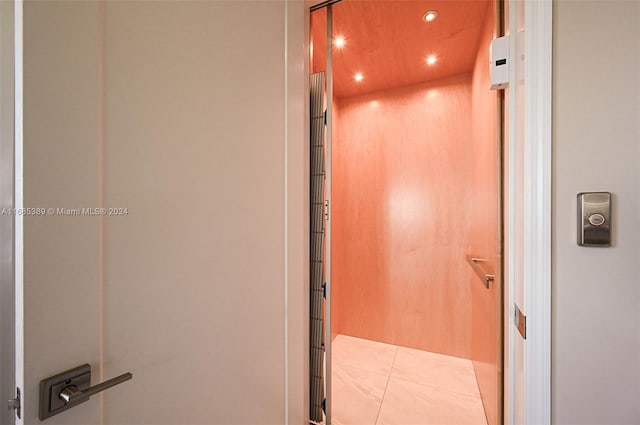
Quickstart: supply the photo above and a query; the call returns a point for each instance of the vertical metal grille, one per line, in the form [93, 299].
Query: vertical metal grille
[317, 272]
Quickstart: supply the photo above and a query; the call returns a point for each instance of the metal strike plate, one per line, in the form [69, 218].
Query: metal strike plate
[520, 321]
[50, 388]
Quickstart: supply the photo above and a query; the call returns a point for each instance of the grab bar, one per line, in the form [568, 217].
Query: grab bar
[485, 277]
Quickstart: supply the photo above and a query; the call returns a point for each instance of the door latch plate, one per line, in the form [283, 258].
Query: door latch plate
[520, 322]
[16, 403]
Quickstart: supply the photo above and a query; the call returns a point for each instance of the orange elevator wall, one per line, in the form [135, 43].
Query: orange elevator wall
[401, 193]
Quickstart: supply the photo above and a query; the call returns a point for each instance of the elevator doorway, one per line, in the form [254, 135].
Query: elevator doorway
[412, 232]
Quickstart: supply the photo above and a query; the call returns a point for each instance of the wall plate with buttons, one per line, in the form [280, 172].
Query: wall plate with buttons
[594, 219]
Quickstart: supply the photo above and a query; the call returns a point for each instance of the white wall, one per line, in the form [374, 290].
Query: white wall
[596, 137]
[180, 112]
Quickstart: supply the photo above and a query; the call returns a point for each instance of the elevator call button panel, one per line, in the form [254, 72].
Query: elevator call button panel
[594, 219]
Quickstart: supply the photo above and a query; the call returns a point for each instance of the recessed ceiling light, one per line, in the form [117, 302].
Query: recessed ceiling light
[430, 16]
[358, 76]
[339, 42]
[431, 59]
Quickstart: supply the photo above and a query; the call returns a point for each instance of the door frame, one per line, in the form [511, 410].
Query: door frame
[536, 242]
[11, 198]
[533, 261]
[7, 281]
[528, 226]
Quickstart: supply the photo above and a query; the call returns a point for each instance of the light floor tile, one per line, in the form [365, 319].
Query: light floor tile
[357, 395]
[375, 383]
[372, 356]
[409, 403]
[446, 373]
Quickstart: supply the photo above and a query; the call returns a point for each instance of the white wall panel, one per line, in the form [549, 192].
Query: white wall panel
[596, 321]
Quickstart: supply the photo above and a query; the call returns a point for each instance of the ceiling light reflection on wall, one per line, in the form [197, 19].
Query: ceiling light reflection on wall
[430, 16]
[358, 76]
[339, 42]
[431, 59]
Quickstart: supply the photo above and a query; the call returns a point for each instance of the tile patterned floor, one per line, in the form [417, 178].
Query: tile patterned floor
[382, 384]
